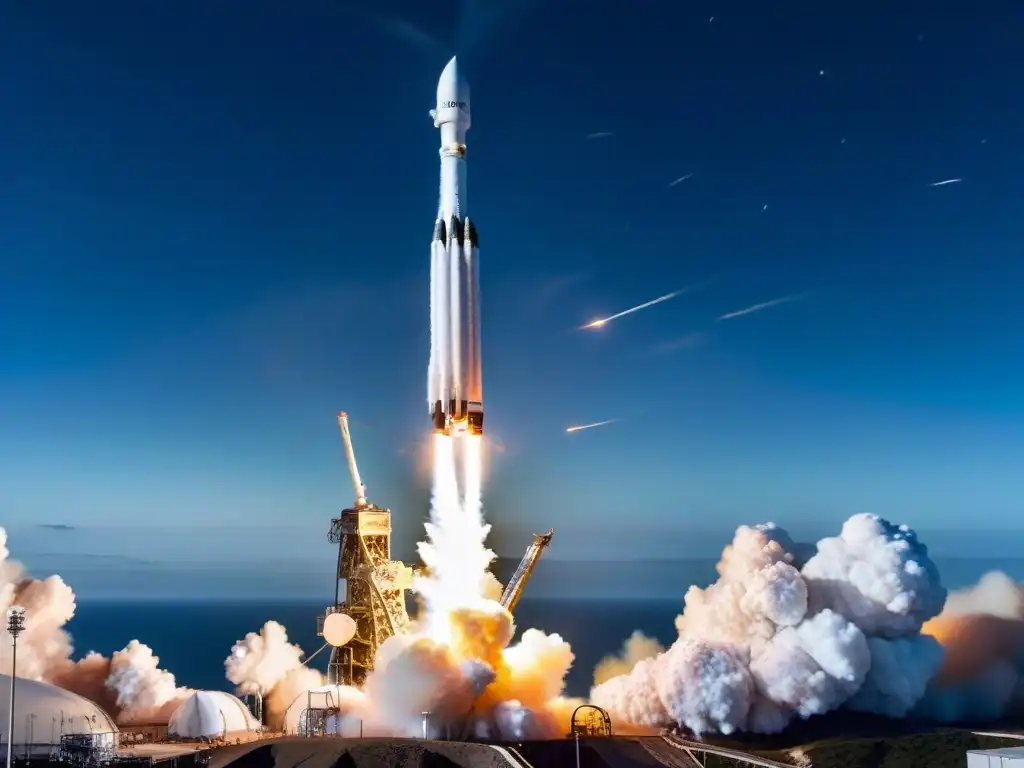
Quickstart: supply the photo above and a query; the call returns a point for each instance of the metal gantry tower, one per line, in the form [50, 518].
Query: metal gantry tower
[369, 585]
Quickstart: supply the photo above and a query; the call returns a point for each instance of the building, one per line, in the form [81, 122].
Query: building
[211, 715]
[1009, 757]
[44, 713]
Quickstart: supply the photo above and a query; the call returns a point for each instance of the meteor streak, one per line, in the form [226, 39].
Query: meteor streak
[631, 310]
[590, 426]
[944, 182]
[758, 307]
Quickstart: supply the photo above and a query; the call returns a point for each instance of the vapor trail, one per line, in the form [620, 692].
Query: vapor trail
[590, 426]
[680, 180]
[758, 307]
[598, 135]
[631, 310]
[944, 182]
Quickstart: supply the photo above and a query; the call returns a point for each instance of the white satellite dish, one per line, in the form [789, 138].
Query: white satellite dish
[339, 628]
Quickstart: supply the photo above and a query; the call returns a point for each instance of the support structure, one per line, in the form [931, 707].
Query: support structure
[320, 707]
[370, 586]
[589, 720]
[514, 588]
[699, 753]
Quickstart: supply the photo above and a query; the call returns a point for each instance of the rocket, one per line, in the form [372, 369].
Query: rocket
[454, 385]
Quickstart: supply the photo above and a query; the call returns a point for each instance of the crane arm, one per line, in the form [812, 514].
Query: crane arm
[514, 589]
[350, 453]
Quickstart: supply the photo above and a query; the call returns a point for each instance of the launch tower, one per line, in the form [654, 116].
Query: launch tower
[370, 586]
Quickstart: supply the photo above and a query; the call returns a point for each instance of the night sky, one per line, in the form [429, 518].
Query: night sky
[215, 227]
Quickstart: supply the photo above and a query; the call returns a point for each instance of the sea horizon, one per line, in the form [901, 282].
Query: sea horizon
[553, 579]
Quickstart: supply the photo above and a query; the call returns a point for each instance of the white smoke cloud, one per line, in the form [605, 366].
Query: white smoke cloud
[143, 691]
[261, 659]
[129, 685]
[786, 633]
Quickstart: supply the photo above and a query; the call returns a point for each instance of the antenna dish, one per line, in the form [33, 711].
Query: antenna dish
[339, 628]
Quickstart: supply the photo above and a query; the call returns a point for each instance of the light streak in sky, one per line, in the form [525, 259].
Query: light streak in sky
[758, 307]
[605, 320]
[579, 427]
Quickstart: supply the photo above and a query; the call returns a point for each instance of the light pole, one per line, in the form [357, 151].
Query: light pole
[15, 624]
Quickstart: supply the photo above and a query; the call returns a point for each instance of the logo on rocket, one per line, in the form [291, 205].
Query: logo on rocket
[454, 381]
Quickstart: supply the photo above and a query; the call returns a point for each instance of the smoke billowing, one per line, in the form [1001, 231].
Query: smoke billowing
[456, 662]
[789, 631]
[129, 685]
[859, 621]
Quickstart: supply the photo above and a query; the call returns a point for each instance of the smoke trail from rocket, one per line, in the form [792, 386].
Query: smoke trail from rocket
[789, 633]
[454, 551]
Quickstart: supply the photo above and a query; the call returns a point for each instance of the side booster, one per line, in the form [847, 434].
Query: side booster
[455, 387]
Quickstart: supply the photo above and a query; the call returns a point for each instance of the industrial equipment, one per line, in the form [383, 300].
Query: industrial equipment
[370, 586]
[514, 588]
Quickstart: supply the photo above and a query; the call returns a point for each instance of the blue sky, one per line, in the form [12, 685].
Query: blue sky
[215, 235]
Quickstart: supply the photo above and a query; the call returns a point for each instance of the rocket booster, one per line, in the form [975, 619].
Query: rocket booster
[454, 380]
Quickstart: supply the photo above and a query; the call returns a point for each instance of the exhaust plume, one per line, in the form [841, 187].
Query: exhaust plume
[456, 663]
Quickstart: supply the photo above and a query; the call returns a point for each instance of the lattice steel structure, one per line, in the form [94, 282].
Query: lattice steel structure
[374, 590]
[374, 584]
[514, 588]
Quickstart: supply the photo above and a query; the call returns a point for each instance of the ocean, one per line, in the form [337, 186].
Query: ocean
[192, 638]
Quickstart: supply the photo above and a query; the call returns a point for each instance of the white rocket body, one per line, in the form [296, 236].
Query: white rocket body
[454, 381]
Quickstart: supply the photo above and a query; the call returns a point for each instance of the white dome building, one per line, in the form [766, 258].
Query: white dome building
[43, 713]
[210, 715]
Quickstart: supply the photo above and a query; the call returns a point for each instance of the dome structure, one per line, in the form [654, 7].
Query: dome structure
[43, 713]
[210, 714]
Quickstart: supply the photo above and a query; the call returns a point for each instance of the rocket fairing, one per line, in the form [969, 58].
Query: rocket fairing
[454, 379]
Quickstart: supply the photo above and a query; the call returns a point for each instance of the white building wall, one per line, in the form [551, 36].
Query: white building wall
[43, 713]
[1011, 757]
[209, 714]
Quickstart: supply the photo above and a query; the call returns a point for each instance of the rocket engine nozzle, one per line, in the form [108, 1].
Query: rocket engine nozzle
[438, 419]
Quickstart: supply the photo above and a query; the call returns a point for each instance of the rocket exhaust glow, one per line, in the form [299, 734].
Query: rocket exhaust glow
[455, 383]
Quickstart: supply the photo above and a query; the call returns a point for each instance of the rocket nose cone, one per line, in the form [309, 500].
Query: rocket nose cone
[451, 69]
[452, 86]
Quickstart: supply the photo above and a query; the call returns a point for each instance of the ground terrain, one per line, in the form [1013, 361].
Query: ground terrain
[906, 747]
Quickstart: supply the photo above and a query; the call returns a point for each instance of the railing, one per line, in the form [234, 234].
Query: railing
[695, 748]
